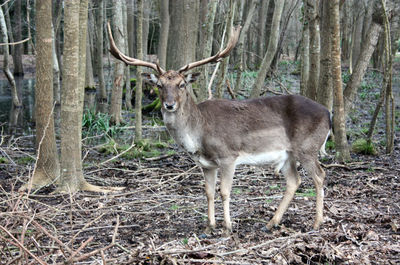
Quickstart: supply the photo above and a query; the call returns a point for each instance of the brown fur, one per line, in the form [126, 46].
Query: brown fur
[219, 133]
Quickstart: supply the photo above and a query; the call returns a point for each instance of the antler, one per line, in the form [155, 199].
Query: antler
[234, 36]
[129, 60]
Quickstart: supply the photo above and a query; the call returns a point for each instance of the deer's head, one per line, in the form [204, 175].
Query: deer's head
[172, 84]
[172, 87]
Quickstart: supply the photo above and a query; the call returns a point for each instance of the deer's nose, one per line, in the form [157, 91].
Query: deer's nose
[170, 106]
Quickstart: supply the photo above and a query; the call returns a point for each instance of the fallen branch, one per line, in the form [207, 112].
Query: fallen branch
[18, 244]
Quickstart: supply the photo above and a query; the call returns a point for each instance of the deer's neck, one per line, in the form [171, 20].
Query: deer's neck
[185, 125]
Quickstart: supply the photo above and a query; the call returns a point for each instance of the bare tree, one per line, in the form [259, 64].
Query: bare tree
[313, 20]
[325, 92]
[305, 54]
[99, 68]
[119, 67]
[6, 68]
[128, 89]
[272, 46]
[18, 48]
[342, 150]
[138, 94]
[240, 48]
[206, 41]
[75, 19]
[163, 41]
[47, 165]
[182, 37]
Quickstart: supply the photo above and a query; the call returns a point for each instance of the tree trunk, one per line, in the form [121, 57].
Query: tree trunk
[119, 67]
[313, 20]
[18, 48]
[305, 58]
[325, 92]
[139, 82]
[206, 40]
[70, 96]
[89, 85]
[261, 23]
[272, 45]
[102, 95]
[224, 65]
[388, 75]
[15, 99]
[128, 89]
[182, 37]
[131, 27]
[146, 26]
[9, 27]
[358, 14]
[342, 150]
[364, 58]
[56, 70]
[47, 164]
[163, 42]
[240, 44]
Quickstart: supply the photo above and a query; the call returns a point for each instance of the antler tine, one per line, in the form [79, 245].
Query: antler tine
[129, 60]
[234, 37]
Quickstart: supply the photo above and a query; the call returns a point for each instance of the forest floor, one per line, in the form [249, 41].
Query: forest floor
[160, 216]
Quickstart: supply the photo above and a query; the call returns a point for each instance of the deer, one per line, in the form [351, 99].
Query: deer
[220, 134]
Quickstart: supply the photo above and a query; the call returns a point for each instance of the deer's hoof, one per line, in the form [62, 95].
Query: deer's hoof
[209, 230]
[226, 232]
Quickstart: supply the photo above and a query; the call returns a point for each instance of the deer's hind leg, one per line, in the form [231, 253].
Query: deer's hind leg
[293, 181]
[226, 175]
[314, 170]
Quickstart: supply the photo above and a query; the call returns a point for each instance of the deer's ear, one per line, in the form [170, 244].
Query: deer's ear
[190, 78]
[150, 78]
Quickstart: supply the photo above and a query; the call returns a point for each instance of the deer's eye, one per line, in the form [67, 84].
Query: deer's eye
[182, 85]
[159, 86]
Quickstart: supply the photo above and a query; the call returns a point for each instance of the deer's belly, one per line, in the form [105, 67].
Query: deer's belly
[275, 158]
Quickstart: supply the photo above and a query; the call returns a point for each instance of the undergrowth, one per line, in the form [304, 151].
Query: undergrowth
[141, 149]
[94, 124]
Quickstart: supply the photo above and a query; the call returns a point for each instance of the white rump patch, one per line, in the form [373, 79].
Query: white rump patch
[322, 151]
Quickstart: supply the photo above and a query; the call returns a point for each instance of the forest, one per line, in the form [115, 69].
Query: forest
[91, 171]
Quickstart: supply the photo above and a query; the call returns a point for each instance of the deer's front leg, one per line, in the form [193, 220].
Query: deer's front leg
[210, 176]
[226, 173]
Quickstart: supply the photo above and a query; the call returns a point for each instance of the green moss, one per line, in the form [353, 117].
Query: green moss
[363, 146]
[330, 145]
[25, 160]
[142, 149]
[3, 160]
[307, 193]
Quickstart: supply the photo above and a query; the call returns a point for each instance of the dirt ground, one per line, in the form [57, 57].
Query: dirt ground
[160, 216]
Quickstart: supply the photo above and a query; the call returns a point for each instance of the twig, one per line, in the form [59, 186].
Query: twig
[21, 245]
[154, 186]
[228, 86]
[212, 261]
[118, 155]
[16, 42]
[245, 250]
[61, 244]
[94, 252]
[82, 246]
[103, 258]
[115, 230]
[156, 158]
[84, 227]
